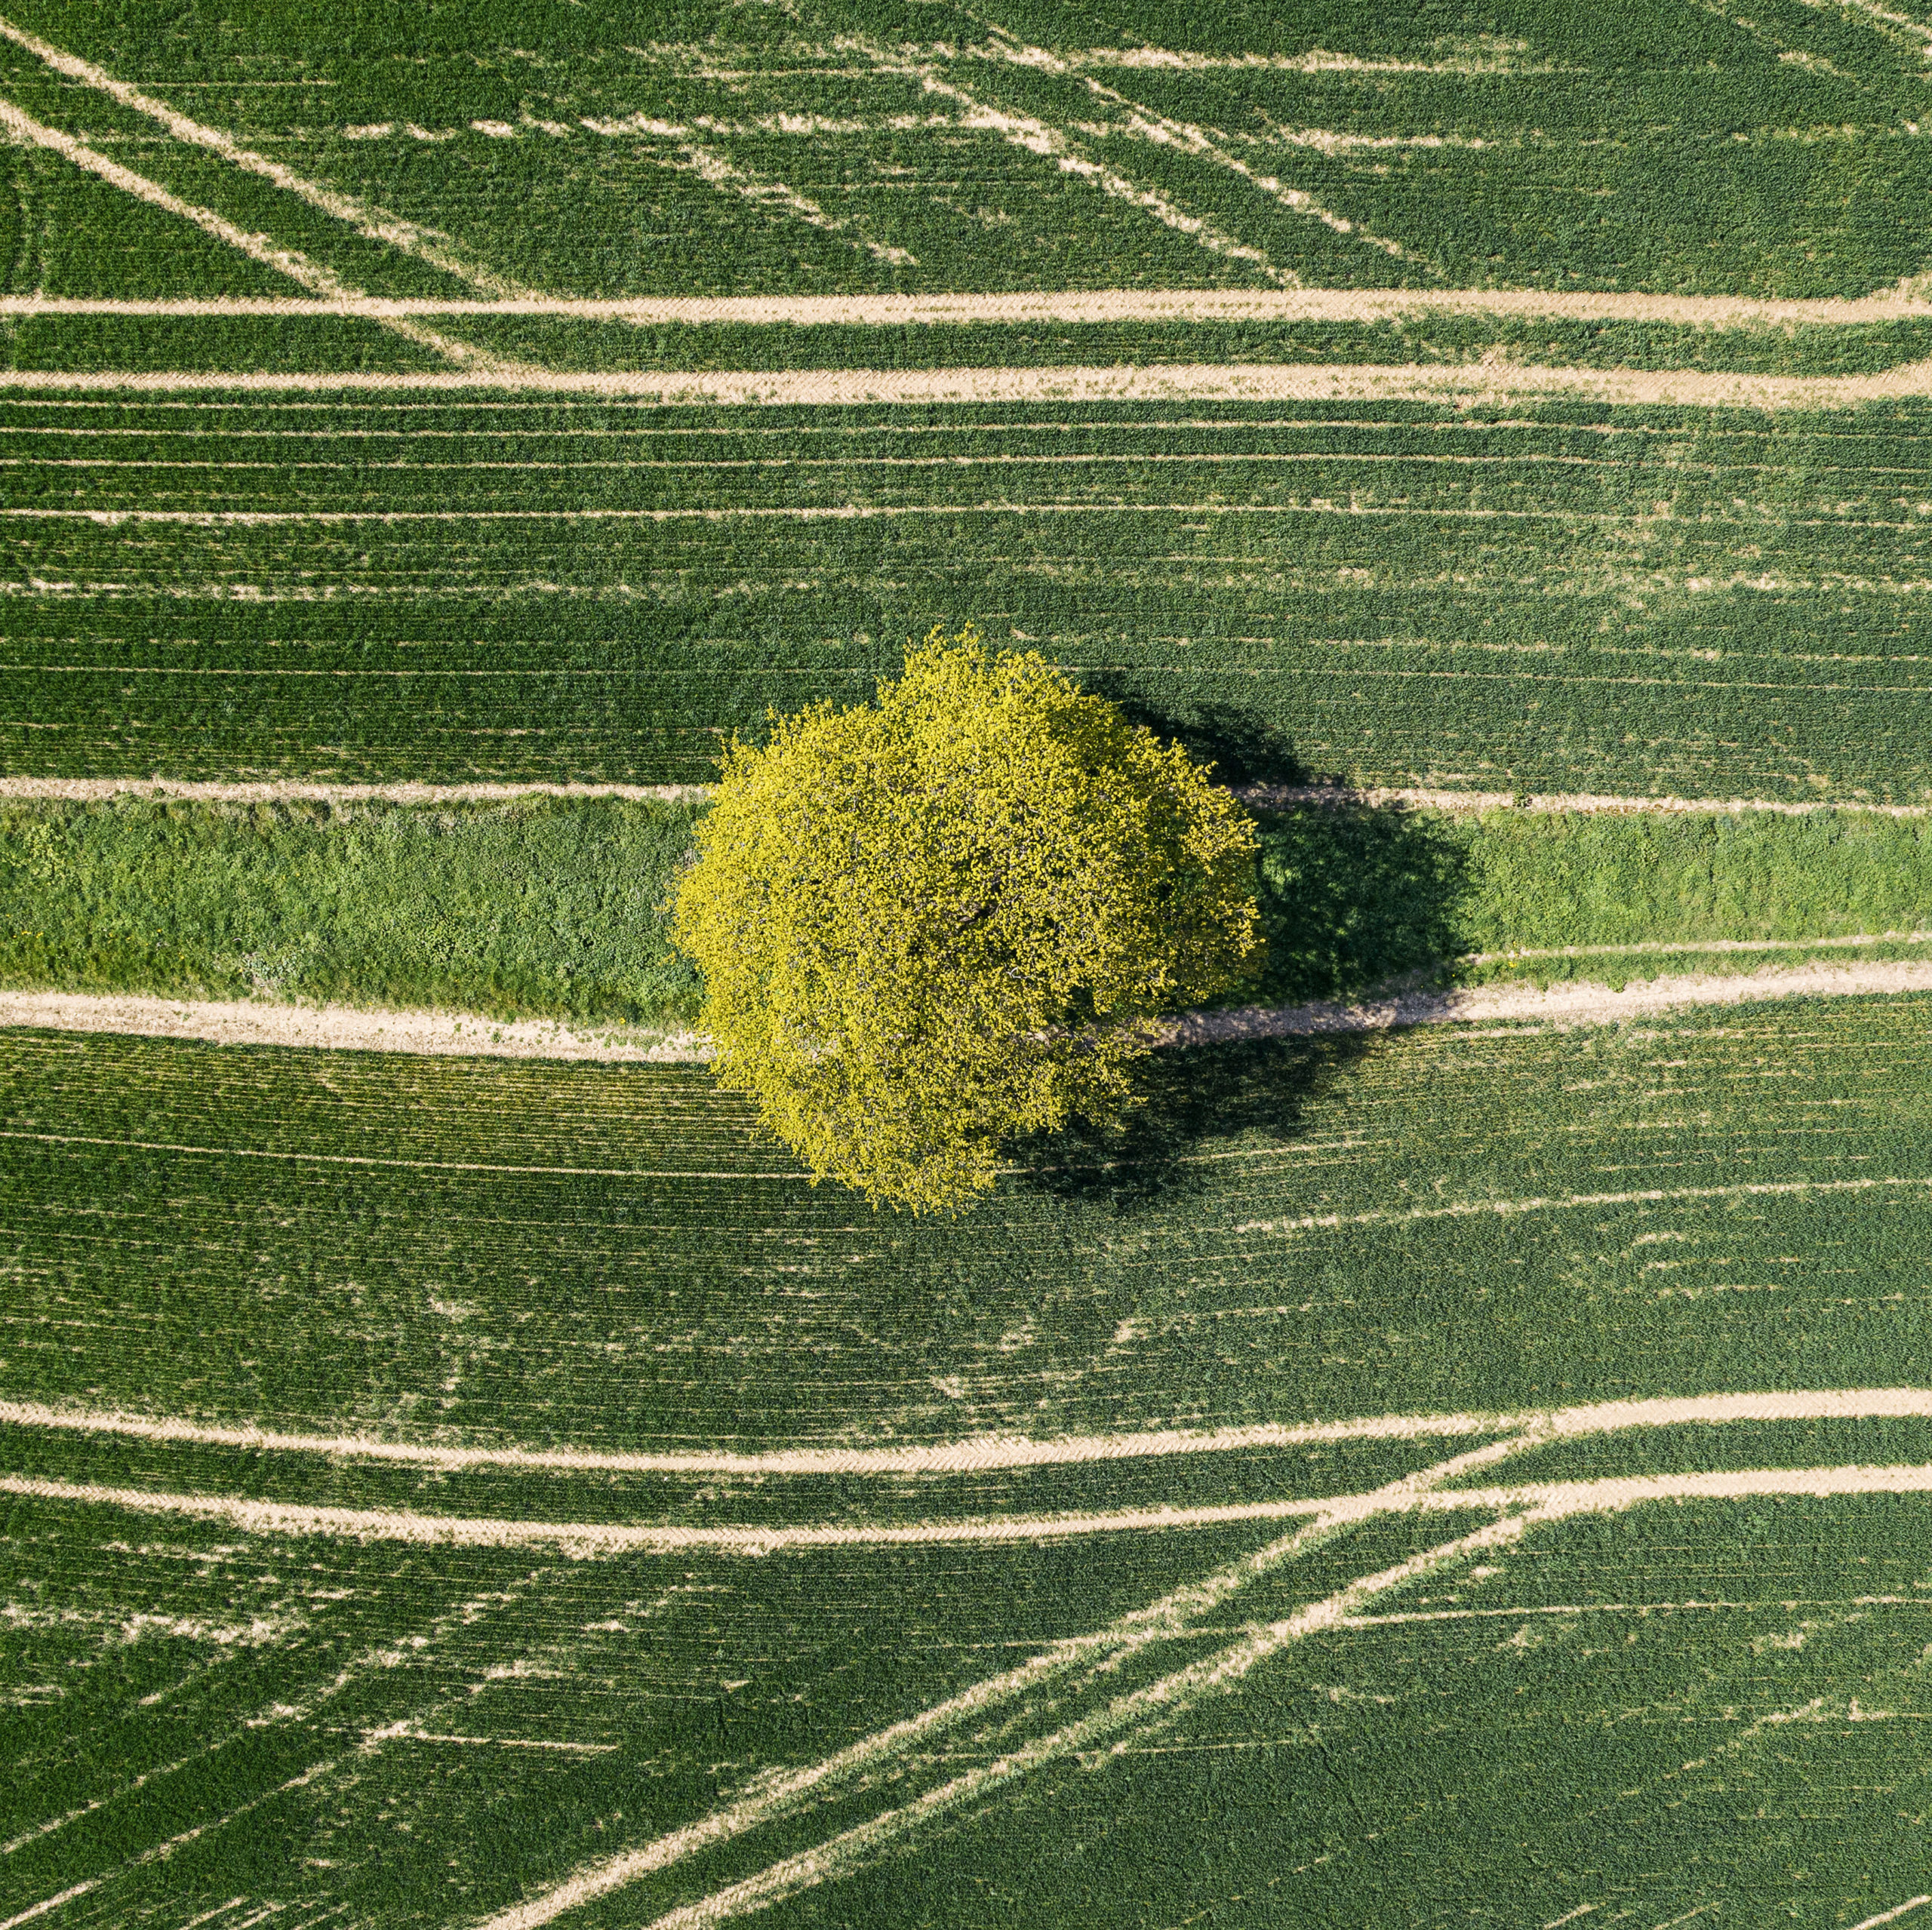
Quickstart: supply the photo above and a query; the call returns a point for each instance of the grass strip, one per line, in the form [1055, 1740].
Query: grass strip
[541, 907]
[552, 907]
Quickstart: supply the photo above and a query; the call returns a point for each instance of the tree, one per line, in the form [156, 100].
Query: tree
[950, 917]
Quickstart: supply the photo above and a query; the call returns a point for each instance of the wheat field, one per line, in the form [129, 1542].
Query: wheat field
[1474, 1473]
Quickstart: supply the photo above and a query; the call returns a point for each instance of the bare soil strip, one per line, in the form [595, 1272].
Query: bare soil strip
[1581, 1003]
[1154, 382]
[354, 1028]
[1269, 797]
[990, 1452]
[342, 1028]
[1260, 797]
[1099, 306]
[270, 791]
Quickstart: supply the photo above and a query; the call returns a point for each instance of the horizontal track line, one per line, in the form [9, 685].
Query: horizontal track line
[989, 1453]
[1258, 797]
[592, 1540]
[353, 1028]
[1097, 306]
[1258, 382]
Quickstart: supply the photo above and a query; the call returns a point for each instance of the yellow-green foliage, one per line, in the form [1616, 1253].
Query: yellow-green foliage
[936, 922]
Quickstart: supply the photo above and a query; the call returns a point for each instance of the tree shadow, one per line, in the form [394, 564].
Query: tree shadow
[1351, 897]
[1192, 1099]
[1353, 901]
[1243, 747]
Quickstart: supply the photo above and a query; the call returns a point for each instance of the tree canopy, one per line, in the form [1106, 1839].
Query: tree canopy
[950, 917]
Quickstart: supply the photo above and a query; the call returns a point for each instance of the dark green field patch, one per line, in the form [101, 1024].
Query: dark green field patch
[1575, 598]
[1680, 1709]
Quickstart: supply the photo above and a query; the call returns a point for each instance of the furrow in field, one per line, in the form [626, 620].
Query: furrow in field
[374, 224]
[1058, 145]
[1153, 381]
[1072, 306]
[313, 275]
[762, 191]
[355, 1028]
[974, 1455]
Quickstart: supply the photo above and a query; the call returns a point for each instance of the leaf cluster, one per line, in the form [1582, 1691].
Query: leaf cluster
[949, 918]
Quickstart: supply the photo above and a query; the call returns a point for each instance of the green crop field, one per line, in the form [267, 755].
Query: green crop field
[1556, 593]
[785, 1586]
[1450, 1475]
[1580, 600]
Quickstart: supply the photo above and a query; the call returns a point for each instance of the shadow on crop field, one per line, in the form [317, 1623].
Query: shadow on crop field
[1243, 747]
[1350, 897]
[1194, 1103]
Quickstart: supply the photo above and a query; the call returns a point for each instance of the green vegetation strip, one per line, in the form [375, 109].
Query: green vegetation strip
[543, 907]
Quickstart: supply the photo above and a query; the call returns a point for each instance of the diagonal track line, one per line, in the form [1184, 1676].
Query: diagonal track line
[313, 275]
[374, 224]
[772, 1799]
[1115, 1726]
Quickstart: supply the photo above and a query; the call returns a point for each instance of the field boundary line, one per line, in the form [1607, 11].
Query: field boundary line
[1567, 1004]
[991, 1453]
[1103, 306]
[373, 224]
[1259, 797]
[1151, 382]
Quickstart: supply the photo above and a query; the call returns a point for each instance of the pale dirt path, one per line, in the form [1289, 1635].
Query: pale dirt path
[591, 1540]
[1257, 382]
[1259, 797]
[1100, 305]
[226, 791]
[982, 1454]
[344, 1028]
[352, 1028]
[1578, 1003]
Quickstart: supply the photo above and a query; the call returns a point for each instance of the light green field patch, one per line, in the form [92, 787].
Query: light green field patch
[1443, 1221]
